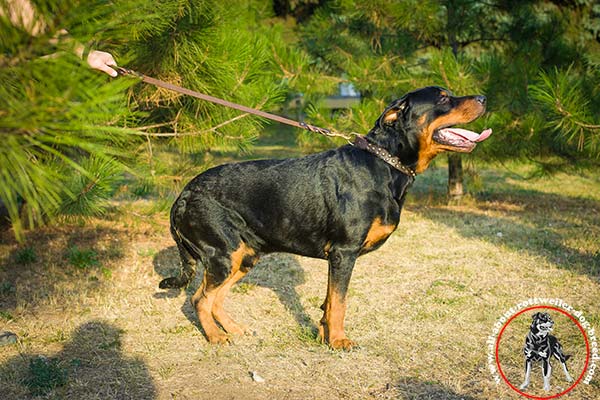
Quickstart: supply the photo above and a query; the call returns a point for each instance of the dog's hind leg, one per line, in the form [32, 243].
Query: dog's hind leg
[527, 375]
[215, 272]
[566, 371]
[563, 361]
[242, 260]
[220, 274]
[186, 274]
[560, 356]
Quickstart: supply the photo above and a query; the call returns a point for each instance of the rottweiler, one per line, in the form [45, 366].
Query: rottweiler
[540, 345]
[334, 205]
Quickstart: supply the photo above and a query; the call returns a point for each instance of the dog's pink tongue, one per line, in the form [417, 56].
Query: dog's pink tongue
[470, 135]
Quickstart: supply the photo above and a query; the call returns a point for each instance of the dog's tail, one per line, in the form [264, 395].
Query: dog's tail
[567, 356]
[188, 252]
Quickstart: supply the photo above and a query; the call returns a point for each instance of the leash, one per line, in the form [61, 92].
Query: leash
[359, 140]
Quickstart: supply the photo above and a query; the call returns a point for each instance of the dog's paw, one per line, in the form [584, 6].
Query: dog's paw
[546, 388]
[343, 344]
[220, 338]
[523, 386]
[237, 329]
[171, 283]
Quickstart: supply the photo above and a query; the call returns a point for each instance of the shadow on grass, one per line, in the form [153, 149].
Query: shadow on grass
[556, 227]
[79, 257]
[282, 273]
[90, 366]
[414, 389]
[279, 272]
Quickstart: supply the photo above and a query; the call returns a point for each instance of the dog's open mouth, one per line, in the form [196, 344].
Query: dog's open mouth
[461, 140]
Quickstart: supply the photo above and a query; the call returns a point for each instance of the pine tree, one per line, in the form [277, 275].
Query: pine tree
[386, 49]
[567, 99]
[544, 85]
[507, 50]
[69, 132]
[57, 115]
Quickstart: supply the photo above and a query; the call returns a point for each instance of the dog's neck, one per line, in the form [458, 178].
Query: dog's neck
[396, 143]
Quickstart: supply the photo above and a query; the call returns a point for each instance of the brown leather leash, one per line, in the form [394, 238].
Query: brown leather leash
[360, 141]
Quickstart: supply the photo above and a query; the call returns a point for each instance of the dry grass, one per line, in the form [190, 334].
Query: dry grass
[421, 307]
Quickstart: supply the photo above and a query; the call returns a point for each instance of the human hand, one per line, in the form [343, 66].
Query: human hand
[102, 61]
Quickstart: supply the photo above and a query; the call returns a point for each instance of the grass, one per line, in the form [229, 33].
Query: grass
[82, 258]
[25, 256]
[44, 375]
[421, 307]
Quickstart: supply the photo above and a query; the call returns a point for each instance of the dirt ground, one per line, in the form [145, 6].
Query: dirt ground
[422, 307]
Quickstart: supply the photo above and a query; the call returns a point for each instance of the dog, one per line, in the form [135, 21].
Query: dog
[334, 205]
[540, 345]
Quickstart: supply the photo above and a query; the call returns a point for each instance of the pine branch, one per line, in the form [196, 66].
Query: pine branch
[567, 114]
[444, 75]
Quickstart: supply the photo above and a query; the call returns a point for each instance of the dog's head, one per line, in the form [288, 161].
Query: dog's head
[541, 323]
[421, 124]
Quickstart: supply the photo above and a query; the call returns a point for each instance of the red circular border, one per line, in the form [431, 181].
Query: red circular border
[587, 348]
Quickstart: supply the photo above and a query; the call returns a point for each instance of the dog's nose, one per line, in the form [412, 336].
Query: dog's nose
[481, 100]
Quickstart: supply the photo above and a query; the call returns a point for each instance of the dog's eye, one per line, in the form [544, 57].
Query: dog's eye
[444, 100]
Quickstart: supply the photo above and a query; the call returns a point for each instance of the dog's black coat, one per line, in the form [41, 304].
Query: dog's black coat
[294, 205]
[333, 205]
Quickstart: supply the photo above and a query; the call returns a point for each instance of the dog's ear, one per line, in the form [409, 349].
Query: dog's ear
[536, 316]
[394, 111]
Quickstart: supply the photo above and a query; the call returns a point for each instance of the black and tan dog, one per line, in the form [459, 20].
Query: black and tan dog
[540, 345]
[335, 205]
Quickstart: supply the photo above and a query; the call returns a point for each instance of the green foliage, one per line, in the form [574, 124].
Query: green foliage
[44, 375]
[5, 315]
[69, 131]
[502, 49]
[52, 114]
[6, 288]
[566, 107]
[201, 47]
[25, 256]
[88, 190]
[56, 112]
[71, 135]
[82, 258]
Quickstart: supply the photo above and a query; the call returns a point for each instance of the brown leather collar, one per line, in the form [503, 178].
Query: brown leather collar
[363, 143]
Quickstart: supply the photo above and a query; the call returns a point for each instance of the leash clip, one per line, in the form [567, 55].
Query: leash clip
[126, 71]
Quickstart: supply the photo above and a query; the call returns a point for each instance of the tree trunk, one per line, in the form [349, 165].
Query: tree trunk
[455, 171]
[455, 177]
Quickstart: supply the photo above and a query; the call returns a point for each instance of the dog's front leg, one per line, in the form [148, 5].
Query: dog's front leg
[547, 367]
[527, 375]
[331, 330]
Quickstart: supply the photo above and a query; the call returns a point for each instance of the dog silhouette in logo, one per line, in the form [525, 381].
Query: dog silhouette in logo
[540, 345]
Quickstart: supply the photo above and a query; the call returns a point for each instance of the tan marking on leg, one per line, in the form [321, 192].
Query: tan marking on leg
[238, 271]
[377, 233]
[219, 313]
[203, 301]
[333, 329]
